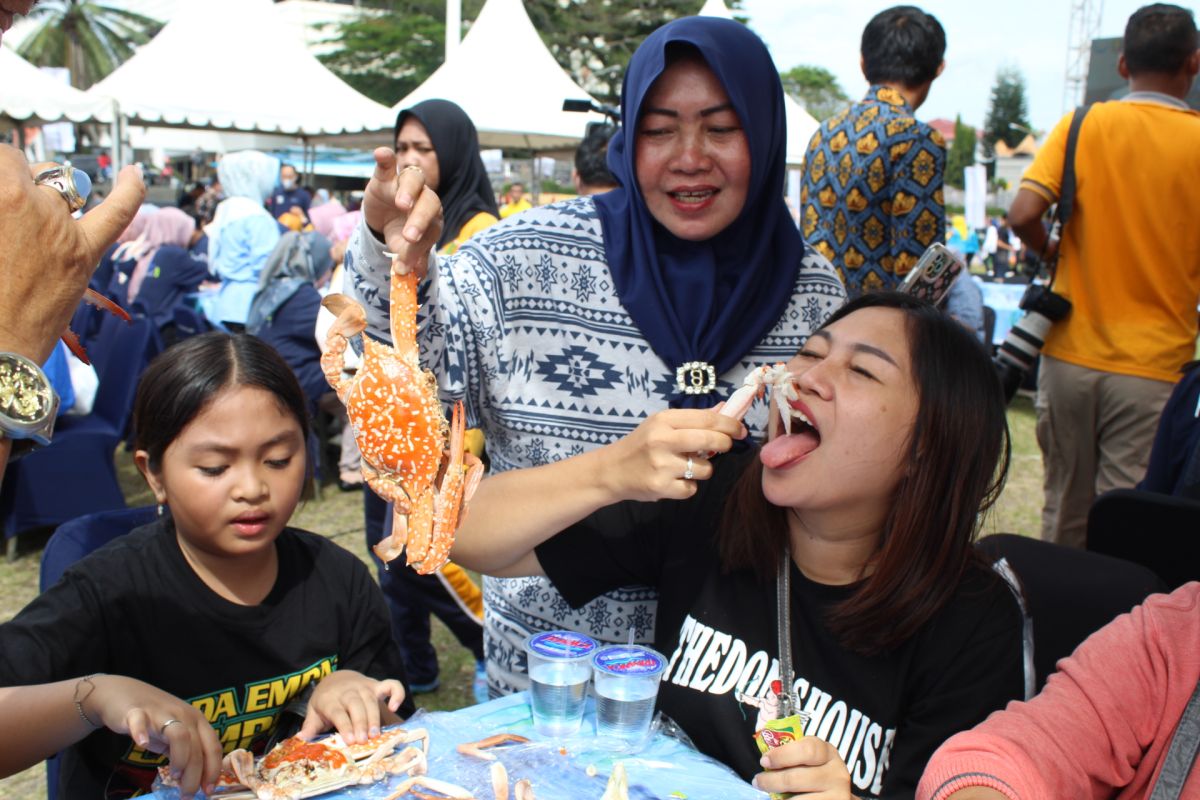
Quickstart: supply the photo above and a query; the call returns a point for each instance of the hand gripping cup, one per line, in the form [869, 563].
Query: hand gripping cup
[559, 669]
[626, 678]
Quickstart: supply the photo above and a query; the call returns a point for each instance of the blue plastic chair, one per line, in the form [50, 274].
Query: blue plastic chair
[189, 322]
[72, 541]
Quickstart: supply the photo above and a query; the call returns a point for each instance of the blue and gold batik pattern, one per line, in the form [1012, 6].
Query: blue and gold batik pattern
[871, 198]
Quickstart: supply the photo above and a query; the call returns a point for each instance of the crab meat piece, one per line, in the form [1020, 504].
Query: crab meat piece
[411, 457]
[499, 781]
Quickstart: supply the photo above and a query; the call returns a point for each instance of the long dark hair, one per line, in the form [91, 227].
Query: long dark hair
[181, 381]
[958, 456]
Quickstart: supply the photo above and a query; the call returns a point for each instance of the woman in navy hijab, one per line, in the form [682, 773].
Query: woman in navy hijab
[698, 237]
[565, 326]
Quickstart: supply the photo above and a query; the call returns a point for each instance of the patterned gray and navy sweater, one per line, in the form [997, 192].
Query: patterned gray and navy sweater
[523, 323]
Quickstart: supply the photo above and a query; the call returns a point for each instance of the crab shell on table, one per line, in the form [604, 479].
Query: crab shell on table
[410, 456]
[296, 768]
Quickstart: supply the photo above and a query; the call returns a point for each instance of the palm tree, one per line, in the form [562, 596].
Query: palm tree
[90, 39]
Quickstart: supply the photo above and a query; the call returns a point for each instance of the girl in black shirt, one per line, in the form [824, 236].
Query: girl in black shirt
[901, 637]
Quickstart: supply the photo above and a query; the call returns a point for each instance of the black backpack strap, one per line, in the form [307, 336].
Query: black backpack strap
[1181, 754]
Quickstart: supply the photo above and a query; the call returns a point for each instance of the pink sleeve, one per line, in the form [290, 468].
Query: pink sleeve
[1097, 719]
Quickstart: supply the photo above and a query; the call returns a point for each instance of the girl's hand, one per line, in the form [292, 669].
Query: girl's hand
[809, 766]
[129, 706]
[651, 462]
[350, 702]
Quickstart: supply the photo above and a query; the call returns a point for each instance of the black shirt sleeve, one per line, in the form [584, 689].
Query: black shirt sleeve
[368, 646]
[59, 635]
[632, 543]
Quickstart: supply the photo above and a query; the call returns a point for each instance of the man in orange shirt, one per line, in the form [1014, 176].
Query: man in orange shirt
[1129, 263]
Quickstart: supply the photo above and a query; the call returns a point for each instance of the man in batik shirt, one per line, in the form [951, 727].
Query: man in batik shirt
[872, 193]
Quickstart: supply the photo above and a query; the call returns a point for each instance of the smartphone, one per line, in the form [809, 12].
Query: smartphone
[933, 275]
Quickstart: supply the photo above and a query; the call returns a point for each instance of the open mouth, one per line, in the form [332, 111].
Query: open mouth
[796, 438]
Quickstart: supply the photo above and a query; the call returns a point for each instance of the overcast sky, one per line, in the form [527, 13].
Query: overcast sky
[1031, 35]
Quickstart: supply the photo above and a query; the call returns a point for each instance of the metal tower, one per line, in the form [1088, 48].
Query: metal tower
[1083, 27]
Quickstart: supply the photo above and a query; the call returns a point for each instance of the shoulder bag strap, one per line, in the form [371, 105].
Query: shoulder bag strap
[1181, 754]
[1066, 196]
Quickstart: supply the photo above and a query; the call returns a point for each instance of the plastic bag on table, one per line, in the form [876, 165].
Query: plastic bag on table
[573, 768]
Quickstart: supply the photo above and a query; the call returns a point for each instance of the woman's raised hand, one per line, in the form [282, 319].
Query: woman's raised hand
[161, 723]
[407, 212]
[808, 766]
[664, 456]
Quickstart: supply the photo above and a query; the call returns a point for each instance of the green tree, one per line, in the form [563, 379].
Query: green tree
[815, 88]
[962, 153]
[90, 39]
[399, 43]
[1008, 114]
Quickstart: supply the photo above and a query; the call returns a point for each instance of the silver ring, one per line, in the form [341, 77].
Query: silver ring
[162, 729]
[688, 474]
[74, 185]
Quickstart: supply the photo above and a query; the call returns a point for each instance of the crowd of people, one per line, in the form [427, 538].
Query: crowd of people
[592, 340]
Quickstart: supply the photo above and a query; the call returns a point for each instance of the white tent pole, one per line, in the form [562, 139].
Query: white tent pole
[453, 25]
[115, 145]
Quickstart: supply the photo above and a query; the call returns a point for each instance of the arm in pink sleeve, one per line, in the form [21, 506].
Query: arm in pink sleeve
[1100, 725]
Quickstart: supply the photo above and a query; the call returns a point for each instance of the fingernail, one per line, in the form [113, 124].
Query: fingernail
[373, 732]
[766, 762]
[412, 234]
[754, 781]
[142, 741]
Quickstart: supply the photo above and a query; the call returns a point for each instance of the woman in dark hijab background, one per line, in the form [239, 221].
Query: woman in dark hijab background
[439, 137]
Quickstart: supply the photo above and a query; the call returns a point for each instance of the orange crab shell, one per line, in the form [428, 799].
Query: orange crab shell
[394, 408]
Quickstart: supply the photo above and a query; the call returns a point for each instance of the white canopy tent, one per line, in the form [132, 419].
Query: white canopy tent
[521, 110]
[800, 124]
[31, 97]
[263, 80]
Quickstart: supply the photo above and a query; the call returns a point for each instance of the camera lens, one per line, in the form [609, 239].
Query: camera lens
[1024, 341]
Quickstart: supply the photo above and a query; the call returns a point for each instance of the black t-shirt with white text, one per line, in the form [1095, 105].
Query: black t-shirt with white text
[136, 608]
[885, 714]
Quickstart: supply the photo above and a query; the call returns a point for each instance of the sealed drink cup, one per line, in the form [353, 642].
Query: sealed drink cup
[626, 681]
[560, 665]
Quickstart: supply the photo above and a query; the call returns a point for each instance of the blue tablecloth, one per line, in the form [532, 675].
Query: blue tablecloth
[1003, 298]
[664, 768]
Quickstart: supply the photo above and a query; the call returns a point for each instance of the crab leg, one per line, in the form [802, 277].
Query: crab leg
[477, 748]
[461, 477]
[444, 787]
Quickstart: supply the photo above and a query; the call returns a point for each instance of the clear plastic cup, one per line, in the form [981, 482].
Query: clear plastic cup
[626, 680]
[560, 665]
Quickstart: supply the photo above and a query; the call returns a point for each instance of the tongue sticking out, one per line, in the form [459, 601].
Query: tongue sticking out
[782, 450]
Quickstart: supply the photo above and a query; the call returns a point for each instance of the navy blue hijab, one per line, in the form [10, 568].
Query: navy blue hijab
[714, 300]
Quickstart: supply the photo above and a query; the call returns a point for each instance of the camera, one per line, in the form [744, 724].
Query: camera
[1019, 350]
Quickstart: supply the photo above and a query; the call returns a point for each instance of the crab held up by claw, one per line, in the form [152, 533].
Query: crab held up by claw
[410, 456]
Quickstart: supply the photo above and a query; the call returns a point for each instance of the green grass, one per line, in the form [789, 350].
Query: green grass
[338, 515]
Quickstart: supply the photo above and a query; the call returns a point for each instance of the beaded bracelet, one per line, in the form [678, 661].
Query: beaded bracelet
[80, 700]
